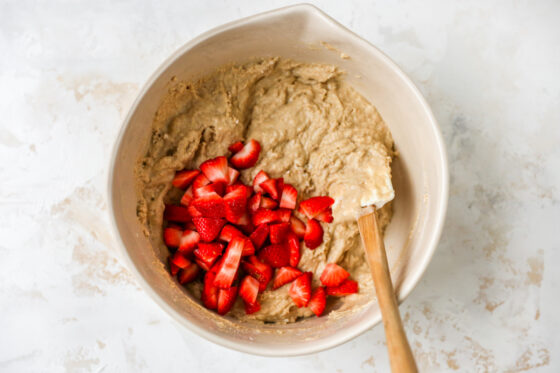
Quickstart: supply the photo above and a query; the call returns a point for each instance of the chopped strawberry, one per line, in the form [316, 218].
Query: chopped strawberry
[233, 175]
[280, 187]
[264, 216]
[189, 239]
[244, 223]
[172, 236]
[255, 202]
[285, 275]
[248, 156]
[228, 232]
[190, 226]
[293, 244]
[313, 206]
[313, 234]
[284, 215]
[210, 206]
[268, 203]
[172, 267]
[252, 308]
[226, 272]
[210, 291]
[289, 197]
[249, 289]
[248, 190]
[188, 274]
[318, 301]
[200, 181]
[218, 188]
[194, 212]
[180, 261]
[235, 205]
[269, 186]
[187, 197]
[300, 290]
[259, 270]
[209, 228]
[279, 232]
[325, 216]
[259, 178]
[275, 255]
[207, 253]
[184, 178]
[333, 275]
[216, 170]
[347, 287]
[178, 214]
[248, 248]
[226, 299]
[259, 235]
[236, 147]
[298, 227]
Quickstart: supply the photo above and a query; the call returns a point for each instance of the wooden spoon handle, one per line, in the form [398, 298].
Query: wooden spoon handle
[400, 354]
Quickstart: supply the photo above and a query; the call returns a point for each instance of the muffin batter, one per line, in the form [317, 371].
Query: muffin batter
[316, 132]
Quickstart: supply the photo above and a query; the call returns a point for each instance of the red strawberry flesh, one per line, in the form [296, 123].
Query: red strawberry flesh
[333, 275]
[248, 156]
[300, 290]
[216, 170]
[184, 178]
[228, 268]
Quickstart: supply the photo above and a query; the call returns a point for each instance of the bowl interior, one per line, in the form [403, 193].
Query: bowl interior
[420, 174]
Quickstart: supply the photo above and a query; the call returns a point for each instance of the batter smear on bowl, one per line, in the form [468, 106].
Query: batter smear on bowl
[251, 183]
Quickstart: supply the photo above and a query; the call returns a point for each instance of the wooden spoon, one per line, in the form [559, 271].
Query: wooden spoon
[400, 354]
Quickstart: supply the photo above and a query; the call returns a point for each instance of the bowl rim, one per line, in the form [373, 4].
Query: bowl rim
[352, 333]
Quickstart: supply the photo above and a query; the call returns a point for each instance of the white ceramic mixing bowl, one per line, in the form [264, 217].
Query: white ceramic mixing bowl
[420, 173]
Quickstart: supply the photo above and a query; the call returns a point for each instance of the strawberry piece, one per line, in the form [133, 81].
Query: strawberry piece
[268, 203]
[189, 239]
[228, 232]
[298, 227]
[294, 246]
[300, 290]
[208, 228]
[210, 206]
[180, 261]
[347, 287]
[217, 188]
[313, 206]
[318, 301]
[289, 197]
[248, 156]
[190, 226]
[187, 197]
[259, 270]
[207, 253]
[255, 202]
[248, 190]
[249, 289]
[177, 214]
[226, 299]
[280, 187]
[264, 216]
[269, 186]
[235, 205]
[285, 275]
[259, 178]
[284, 215]
[200, 181]
[248, 248]
[216, 170]
[244, 223]
[279, 232]
[259, 235]
[194, 212]
[172, 236]
[275, 255]
[173, 268]
[325, 216]
[233, 175]
[313, 234]
[235, 147]
[252, 308]
[183, 179]
[188, 274]
[228, 268]
[333, 275]
[210, 291]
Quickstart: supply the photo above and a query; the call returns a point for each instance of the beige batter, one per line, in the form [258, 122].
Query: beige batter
[315, 131]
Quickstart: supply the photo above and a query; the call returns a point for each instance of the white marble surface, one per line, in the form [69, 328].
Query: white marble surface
[70, 70]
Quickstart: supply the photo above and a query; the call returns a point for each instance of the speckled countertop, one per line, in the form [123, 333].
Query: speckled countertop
[70, 70]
